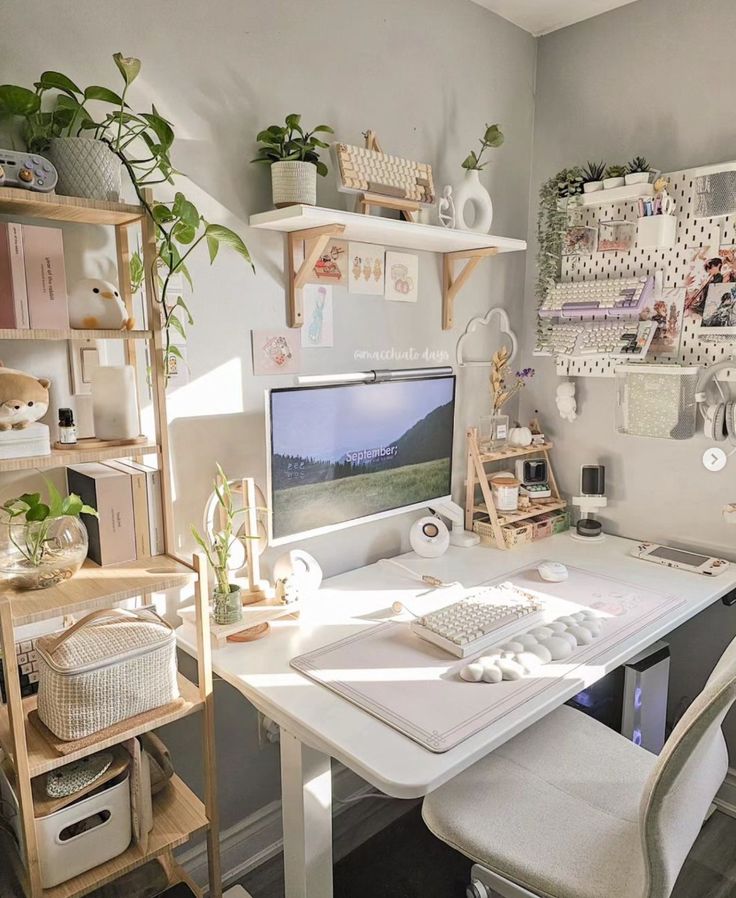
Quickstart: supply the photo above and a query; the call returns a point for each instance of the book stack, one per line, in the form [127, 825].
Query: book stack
[32, 278]
[127, 496]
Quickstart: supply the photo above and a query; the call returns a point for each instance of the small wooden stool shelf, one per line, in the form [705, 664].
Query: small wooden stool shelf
[485, 512]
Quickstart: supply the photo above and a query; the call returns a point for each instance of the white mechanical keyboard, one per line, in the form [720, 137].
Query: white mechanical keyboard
[482, 619]
[613, 298]
[620, 338]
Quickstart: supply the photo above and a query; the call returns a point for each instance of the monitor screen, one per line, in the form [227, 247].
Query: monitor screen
[343, 454]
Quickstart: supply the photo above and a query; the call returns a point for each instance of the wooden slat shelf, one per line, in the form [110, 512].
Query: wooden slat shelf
[98, 587]
[71, 334]
[14, 201]
[514, 516]
[514, 452]
[60, 458]
[42, 757]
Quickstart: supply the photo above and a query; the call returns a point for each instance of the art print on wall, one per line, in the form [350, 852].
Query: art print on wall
[402, 277]
[331, 267]
[668, 312]
[275, 352]
[366, 271]
[704, 267]
[317, 327]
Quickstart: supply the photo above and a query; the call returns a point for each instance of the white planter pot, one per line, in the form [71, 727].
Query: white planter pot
[637, 177]
[86, 167]
[472, 193]
[592, 186]
[609, 183]
[293, 183]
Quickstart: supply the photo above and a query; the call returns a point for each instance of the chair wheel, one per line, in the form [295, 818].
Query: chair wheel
[476, 889]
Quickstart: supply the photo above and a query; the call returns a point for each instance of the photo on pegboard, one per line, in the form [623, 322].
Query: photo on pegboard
[331, 267]
[316, 332]
[275, 352]
[402, 277]
[367, 269]
[703, 267]
[668, 312]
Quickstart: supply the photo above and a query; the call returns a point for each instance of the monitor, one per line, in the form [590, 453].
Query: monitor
[344, 454]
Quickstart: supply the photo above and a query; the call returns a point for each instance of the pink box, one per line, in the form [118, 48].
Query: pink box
[45, 277]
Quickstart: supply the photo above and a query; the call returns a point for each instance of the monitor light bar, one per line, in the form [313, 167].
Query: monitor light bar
[373, 377]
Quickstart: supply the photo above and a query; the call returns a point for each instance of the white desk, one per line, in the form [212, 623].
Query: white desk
[317, 725]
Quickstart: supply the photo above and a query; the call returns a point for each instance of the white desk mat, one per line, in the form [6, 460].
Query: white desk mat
[415, 686]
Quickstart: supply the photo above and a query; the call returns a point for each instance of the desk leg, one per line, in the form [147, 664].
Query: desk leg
[306, 807]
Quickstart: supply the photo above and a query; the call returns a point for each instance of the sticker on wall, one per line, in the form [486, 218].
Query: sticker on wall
[317, 327]
[703, 268]
[275, 352]
[366, 271]
[402, 277]
[668, 312]
[331, 267]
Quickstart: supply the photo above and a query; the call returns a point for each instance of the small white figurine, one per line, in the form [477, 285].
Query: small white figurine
[565, 399]
[446, 208]
[95, 304]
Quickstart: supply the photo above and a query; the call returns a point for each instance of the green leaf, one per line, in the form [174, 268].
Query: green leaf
[177, 325]
[38, 513]
[87, 509]
[55, 500]
[183, 233]
[162, 213]
[57, 81]
[29, 499]
[493, 136]
[129, 67]
[293, 121]
[321, 168]
[174, 350]
[161, 128]
[72, 505]
[324, 129]
[182, 305]
[318, 143]
[18, 100]
[186, 211]
[231, 239]
[470, 161]
[213, 244]
[95, 92]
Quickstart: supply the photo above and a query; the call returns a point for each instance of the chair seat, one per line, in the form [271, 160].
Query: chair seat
[555, 810]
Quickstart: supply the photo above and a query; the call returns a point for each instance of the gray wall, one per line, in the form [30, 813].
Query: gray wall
[426, 75]
[639, 80]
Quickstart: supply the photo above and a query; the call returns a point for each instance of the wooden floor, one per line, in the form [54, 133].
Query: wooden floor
[405, 861]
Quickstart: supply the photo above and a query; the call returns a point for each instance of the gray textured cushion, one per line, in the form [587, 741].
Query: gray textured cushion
[555, 810]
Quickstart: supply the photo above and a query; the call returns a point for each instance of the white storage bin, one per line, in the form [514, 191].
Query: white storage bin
[62, 854]
[656, 231]
[657, 401]
[28, 442]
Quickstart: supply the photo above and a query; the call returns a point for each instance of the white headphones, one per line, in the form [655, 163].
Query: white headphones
[715, 403]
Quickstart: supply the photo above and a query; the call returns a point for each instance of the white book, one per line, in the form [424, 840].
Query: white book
[18, 274]
[155, 505]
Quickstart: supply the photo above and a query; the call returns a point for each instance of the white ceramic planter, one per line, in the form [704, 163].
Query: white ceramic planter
[592, 186]
[637, 177]
[86, 168]
[472, 193]
[609, 183]
[293, 183]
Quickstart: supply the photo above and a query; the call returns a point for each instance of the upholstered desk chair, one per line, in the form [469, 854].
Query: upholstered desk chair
[571, 809]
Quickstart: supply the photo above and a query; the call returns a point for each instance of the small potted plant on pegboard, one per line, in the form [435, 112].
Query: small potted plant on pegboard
[293, 155]
[638, 171]
[614, 177]
[593, 176]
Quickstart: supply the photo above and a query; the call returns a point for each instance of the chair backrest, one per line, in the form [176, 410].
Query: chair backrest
[688, 773]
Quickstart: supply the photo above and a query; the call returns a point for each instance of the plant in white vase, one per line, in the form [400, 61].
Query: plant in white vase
[614, 176]
[593, 176]
[471, 191]
[638, 171]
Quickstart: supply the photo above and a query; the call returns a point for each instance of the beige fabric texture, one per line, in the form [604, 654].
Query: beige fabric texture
[571, 809]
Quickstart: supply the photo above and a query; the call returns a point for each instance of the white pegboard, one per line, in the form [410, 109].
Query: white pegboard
[638, 262]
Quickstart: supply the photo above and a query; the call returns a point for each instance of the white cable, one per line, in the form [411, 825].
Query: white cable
[427, 579]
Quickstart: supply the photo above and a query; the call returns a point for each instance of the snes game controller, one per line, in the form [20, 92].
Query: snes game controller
[28, 171]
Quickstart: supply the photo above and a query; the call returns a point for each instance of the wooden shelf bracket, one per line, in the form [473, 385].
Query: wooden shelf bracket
[312, 243]
[453, 283]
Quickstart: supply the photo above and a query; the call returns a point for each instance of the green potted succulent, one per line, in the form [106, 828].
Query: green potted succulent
[638, 171]
[293, 155]
[614, 176]
[78, 127]
[42, 542]
[593, 176]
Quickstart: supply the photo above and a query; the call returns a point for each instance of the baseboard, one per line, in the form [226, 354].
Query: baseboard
[725, 800]
[257, 838]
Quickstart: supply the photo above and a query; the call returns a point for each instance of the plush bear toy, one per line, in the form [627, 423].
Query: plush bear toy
[23, 398]
[96, 305]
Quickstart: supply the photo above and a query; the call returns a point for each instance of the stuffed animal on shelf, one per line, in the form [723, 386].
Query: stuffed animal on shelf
[95, 304]
[565, 399]
[23, 398]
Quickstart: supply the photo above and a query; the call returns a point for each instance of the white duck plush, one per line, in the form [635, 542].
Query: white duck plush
[95, 304]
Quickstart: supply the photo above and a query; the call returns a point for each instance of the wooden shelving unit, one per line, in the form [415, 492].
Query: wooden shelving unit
[308, 230]
[478, 478]
[178, 813]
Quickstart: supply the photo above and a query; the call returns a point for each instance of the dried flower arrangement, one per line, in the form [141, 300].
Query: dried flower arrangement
[500, 390]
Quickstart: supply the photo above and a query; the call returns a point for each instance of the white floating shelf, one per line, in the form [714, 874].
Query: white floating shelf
[387, 231]
[617, 194]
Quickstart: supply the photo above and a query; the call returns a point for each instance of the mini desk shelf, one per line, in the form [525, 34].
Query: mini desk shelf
[314, 227]
[478, 478]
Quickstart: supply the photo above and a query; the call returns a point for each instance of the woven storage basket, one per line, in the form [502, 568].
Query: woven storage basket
[111, 665]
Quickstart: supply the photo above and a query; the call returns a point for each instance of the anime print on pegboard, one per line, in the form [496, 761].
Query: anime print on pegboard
[668, 312]
[707, 267]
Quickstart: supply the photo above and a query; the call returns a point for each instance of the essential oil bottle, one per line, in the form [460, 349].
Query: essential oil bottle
[67, 428]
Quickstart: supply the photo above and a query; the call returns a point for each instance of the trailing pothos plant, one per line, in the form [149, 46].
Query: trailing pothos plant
[142, 141]
[557, 197]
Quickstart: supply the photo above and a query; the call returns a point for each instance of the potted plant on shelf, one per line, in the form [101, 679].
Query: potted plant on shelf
[471, 191]
[593, 176]
[293, 155]
[614, 176]
[43, 543]
[638, 171]
[142, 143]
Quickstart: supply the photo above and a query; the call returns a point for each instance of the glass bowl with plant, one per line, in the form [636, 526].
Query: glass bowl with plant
[593, 176]
[638, 171]
[614, 176]
[42, 543]
[293, 154]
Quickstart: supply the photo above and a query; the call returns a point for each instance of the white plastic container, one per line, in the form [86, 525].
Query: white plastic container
[29, 442]
[63, 855]
[115, 403]
[505, 488]
[656, 231]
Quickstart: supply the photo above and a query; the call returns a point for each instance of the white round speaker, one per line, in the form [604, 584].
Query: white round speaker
[429, 537]
[302, 567]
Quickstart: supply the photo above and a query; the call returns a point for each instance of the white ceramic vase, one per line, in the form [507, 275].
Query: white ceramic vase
[472, 193]
[293, 183]
[86, 168]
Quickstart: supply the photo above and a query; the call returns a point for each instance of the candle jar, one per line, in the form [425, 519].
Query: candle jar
[115, 403]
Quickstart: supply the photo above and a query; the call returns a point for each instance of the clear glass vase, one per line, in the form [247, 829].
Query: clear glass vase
[38, 554]
[494, 432]
[227, 607]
